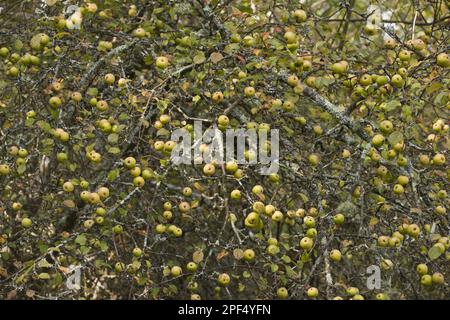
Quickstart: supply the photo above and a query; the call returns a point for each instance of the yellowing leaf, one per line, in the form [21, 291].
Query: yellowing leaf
[215, 57]
[434, 253]
[197, 256]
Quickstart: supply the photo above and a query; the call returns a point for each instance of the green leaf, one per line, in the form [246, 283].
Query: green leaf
[286, 259]
[44, 276]
[81, 239]
[113, 138]
[433, 87]
[44, 125]
[21, 169]
[290, 272]
[113, 174]
[406, 111]
[162, 105]
[392, 105]
[148, 60]
[196, 99]
[434, 252]
[44, 264]
[273, 267]
[395, 137]
[199, 58]
[114, 150]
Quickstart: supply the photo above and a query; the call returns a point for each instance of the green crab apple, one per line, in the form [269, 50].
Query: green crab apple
[167, 215]
[235, 194]
[217, 97]
[109, 78]
[282, 293]
[68, 186]
[4, 169]
[138, 182]
[439, 159]
[187, 191]
[4, 52]
[370, 29]
[288, 105]
[162, 62]
[100, 211]
[313, 159]
[382, 80]
[249, 255]
[117, 229]
[139, 33]
[224, 279]
[129, 162]
[397, 81]
[54, 102]
[191, 266]
[398, 189]
[335, 255]
[352, 291]
[437, 278]
[309, 221]
[426, 280]
[403, 180]
[249, 91]
[135, 172]
[290, 37]
[339, 67]
[413, 230]
[306, 243]
[13, 72]
[292, 80]
[102, 105]
[365, 80]
[231, 166]
[223, 120]
[386, 264]
[377, 140]
[383, 241]
[89, 223]
[312, 292]
[119, 267]
[339, 219]
[440, 210]
[443, 60]
[184, 207]
[26, 222]
[277, 216]
[160, 228]
[137, 252]
[273, 249]
[404, 55]
[381, 296]
[176, 271]
[300, 15]
[422, 269]
[209, 169]
[386, 126]
[394, 242]
[177, 232]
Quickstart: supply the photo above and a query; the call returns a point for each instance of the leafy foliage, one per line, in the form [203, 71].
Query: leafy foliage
[91, 91]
